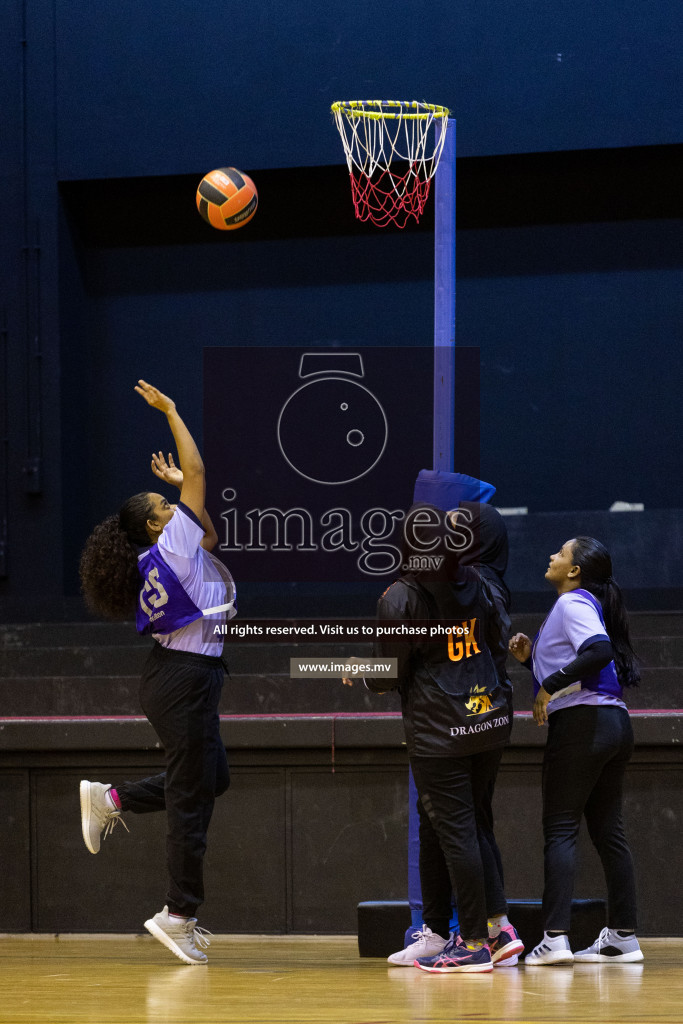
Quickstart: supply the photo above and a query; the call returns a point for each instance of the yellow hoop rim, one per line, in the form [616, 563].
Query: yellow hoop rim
[412, 110]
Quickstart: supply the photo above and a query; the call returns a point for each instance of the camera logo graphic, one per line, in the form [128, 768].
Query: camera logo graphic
[332, 429]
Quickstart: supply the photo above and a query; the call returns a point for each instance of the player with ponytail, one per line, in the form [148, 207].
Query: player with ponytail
[151, 561]
[596, 577]
[581, 660]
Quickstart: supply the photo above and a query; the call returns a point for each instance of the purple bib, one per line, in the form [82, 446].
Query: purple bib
[163, 605]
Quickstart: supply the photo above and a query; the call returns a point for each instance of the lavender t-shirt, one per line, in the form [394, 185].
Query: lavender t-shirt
[204, 579]
[571, 622]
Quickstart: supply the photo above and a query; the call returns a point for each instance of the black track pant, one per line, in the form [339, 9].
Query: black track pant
[179, 693]
[458, 851]
[585, 759]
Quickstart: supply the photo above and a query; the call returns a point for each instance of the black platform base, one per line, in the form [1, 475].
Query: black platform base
[382, 924]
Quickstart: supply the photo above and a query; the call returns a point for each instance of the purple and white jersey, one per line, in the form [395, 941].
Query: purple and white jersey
[573, 622]
[181, 582]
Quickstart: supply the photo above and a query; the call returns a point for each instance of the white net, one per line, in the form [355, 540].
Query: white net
[377, 134]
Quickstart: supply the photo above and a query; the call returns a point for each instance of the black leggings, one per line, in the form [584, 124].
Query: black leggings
[585, 759]
[458, 851]
[179, 693]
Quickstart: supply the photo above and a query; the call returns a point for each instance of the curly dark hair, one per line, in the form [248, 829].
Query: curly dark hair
[109, 560]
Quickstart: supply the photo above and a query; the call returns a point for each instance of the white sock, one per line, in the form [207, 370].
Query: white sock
[496, 925]
[556, 941]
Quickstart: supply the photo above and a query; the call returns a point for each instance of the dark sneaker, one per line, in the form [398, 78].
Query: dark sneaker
[506, 944]
[455, 957]
[182, 937]
[611, 948]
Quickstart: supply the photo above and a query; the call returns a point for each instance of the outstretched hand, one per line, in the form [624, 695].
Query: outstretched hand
[154, 397]
[167, 471]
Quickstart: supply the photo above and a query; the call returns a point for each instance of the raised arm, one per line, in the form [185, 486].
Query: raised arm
[171, 474]
[193, 489]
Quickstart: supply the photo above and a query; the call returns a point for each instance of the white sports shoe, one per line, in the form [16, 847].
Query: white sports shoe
[611, 948]
[96, 814]
[182, 937]
[426, 943]
[553, 949]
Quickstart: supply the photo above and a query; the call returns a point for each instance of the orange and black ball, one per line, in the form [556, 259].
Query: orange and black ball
[227, 198]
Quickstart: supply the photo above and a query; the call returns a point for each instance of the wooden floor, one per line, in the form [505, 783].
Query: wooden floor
[287, 980]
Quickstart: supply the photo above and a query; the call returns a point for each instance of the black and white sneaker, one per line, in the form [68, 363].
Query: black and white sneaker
[554, 949]
[611, 948]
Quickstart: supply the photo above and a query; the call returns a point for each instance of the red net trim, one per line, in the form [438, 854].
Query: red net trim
[388, 198]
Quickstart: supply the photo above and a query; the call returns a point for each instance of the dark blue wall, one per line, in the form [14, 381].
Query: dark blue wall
[172, 87]
[574, 363]
[576, 304]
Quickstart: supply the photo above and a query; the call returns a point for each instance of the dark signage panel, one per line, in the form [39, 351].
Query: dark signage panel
[312, 457]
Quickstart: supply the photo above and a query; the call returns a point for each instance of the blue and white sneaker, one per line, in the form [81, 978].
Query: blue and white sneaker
[611, 948]
[554, 949]
[506, 946]
[455, 957]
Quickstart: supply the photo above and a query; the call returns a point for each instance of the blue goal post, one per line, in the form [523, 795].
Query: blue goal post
[444, 426]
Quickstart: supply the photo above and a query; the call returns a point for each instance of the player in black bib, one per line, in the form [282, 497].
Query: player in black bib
[457, 718]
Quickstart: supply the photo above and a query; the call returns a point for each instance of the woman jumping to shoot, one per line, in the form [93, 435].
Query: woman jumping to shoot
[152, 560]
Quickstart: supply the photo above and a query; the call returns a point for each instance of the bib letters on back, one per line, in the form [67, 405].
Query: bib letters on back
[163, 605]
